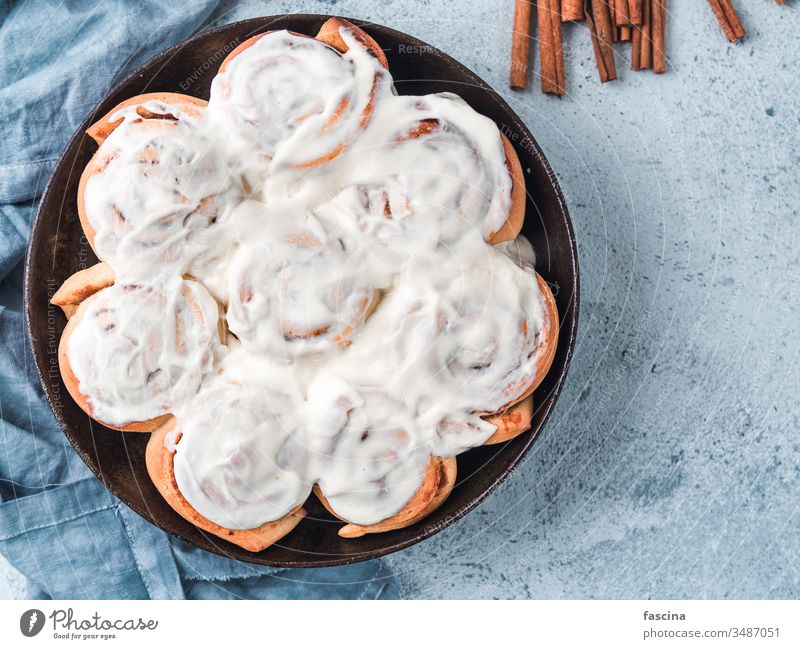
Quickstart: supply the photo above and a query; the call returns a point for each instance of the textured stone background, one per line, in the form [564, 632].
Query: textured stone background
[671, 467]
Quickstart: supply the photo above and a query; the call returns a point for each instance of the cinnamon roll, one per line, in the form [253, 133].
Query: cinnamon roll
[160, 457]
[299, 101]
[438, 483]
[235, 457]
[299, 289]
[372, 466]
[459, 343]
[130, 352]
[458, 174]
[157, 187]
[514, 417]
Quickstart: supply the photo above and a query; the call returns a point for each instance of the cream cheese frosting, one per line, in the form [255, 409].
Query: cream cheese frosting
[138, 350]
[159, 189]
[372, 324]
[242, 455]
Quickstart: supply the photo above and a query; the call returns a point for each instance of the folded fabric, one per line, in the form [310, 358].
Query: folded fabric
[59, 526]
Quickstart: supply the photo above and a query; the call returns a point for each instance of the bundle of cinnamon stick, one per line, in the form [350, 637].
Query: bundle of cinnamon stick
[642, 23]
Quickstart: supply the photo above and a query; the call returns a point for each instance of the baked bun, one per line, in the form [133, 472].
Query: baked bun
[157, 342]
[439, 480]
[158, 186]
[298, 290]
[372, 466]
[160, 466]
[514, 417]
[458, 173]
[290, 98]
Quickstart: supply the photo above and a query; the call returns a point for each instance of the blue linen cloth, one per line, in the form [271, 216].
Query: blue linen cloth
[58, 525]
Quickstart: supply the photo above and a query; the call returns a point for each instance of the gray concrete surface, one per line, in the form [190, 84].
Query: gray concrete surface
[671, 466]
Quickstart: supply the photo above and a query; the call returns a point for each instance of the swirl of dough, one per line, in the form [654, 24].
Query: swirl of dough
[301, 288]
[158, 187]
[240, 451]
[457, 171]
[131, 352]
[459, 341]
[366, 449]
[295, 100]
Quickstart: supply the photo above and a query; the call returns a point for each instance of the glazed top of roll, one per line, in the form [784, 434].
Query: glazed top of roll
[372, 324]
[138, 350]
[158, 189]
[293, 99]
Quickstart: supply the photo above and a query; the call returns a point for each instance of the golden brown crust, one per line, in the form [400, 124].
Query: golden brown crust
[161, 468]
[512, 422]
[103, 127]
[81, 286]
[548, 343]
[329, 33]
[550, 336]
[516, 214]
[438, 482]
[241, 47]
[72, 384]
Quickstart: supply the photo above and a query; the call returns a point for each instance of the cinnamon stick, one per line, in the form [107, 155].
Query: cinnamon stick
[601, 28]
[728, 19]
[658, 9]
[635, 11]
[641, 50]
[551, 48]
[624, 33]
[646, 52]
[520, 44]
[571, 10]
[621, 13]
[636, 47]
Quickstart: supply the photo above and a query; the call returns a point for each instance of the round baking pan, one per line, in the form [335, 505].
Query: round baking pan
[58, 248]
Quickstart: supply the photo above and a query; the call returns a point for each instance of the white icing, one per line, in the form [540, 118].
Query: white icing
[394, 213]
[368, 451]
[298, 288]
[242, 455]
[457, 336]
[163, 190]
[293, 99]
[139, 350]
